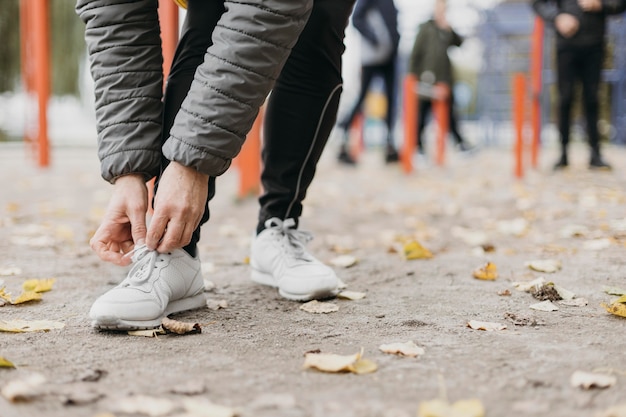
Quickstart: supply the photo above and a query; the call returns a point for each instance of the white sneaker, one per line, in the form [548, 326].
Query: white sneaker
[279, 259]
[158, 284]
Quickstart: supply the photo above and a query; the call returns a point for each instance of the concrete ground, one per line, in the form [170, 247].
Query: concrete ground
[250, 355]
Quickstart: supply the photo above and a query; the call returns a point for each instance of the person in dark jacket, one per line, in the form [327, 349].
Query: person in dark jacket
[230, 55]
[430, 63]
[580, 26]
[377, 23]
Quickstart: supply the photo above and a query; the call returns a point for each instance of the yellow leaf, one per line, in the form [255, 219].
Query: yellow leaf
[19, 326]
[488, 272]
[328, 362]
[622, 299]
[23, 298]
[38, 285]
[317, 307]
[617, 309]
[413, 250]
[5, 363]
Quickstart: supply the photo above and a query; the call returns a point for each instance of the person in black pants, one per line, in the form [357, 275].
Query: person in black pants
[377, 23]
[580, 27]
[430, 63]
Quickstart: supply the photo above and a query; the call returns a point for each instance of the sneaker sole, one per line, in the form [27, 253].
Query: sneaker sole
[115, 323]
[267, 279]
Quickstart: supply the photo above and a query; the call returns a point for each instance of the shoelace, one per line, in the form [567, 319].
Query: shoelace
[144, 261]
[295, 240]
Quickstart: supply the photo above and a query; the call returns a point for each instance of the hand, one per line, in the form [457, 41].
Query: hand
[567, 24]
[590, 5]
[179, 204]
[124, 223]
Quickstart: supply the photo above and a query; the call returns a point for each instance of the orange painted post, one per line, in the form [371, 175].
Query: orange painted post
[26, 58]
[441, 109]
[519, 98]
[168, 20]
[410, 122]
[41, 46]
[249, 161]
[536, 66]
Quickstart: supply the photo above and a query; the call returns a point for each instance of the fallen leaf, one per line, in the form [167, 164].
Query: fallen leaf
[485, 325]
[329, 362]
[544, 265]
[614, 291]
[205, 408]
[141, 404]
[565, 294]
[487, 272]
[5, 363]
[529, 285]
[617, 309]
[208, 285]
[615, 411]
[351, 295]
[576, 302]
[544, 306]
[546, 292]
[521, 321]
[413, 250]
[440, 408]
[588, 380]
[92, 375]
[180, 327]
[216, 304]
[317, 307]
[504, 293]
[405, 349]
[22, 298]
[7, 271]
[341, 285]
[23, 389]
[38, 285]
[20, 326]
[344, 261]
[147, 333]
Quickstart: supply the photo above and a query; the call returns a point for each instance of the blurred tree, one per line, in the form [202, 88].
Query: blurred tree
[66, 41]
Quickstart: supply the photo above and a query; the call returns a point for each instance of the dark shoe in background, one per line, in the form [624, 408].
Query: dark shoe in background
[391, 155]
[344, 156]
[562, 163]
[596, 162]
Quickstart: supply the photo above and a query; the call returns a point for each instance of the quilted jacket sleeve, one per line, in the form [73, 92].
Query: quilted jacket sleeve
[251, 43]
[124, 49]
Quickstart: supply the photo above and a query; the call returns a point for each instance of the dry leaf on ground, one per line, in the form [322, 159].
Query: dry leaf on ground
[141, 404]
[441, 408]
[20, 326]
[5, 363]
[208, 285]
[528, 286]
[197, 407]
[487, 272]
[147, 333]
[38, 285]
[616, 308]
[344, 261]
[576, 302]
[23, 389]
[414, 250]
[318, 307]
[544, 306]
[329, 362]
[545, 265]
[614, 290]
[485, 325]
[351, 295]
[216, 304]
[180, 327]
[24, 297]
[405, 349]
[546, 292]
[588, 380]
[7, 271]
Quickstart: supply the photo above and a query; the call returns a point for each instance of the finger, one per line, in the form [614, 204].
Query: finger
[138, 228]
[156, 230]
[172, 239]
[105, 253]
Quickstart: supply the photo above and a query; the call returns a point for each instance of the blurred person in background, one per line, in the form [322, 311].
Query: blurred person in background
[580, 27]
[377, 24]
[230, 55]
[430, 63]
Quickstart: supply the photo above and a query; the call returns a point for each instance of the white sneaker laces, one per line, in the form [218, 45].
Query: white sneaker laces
[293, 239]
[144, 261]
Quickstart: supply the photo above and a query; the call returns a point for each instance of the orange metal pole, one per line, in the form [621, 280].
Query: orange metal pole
[41, 47]
[536, 66]
[410, 122]
[519, 98]
[441, 109]
[168, 19]
[249, 161]
[26, 57]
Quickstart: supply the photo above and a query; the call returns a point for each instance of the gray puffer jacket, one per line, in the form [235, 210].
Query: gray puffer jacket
[251, 44]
